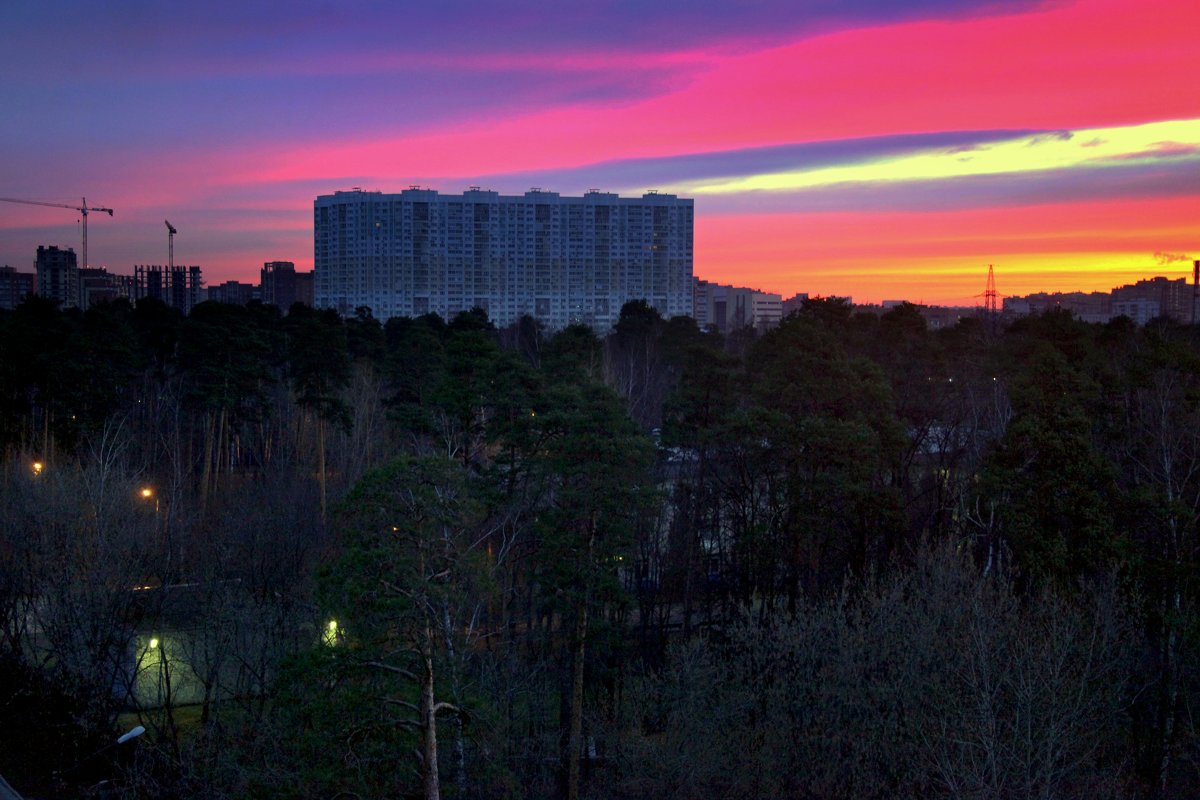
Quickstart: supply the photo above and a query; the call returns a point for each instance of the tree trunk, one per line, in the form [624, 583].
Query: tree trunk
[575, 725]
[460, 750]
[433, 790]
[575, 737]
[221, 452]
[321, 461]
[206, 475]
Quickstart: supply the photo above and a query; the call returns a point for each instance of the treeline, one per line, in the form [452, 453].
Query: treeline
[849, 557]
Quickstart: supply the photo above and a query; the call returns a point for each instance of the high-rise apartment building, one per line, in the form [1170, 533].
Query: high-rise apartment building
[559, 259]
[58, 275]
[179, 286]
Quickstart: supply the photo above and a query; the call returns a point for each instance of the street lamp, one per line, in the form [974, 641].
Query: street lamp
[146, 493]
[37, 467]
[132, 733]
[128, 735]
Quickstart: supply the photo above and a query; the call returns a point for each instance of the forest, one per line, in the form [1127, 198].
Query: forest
[848, 557]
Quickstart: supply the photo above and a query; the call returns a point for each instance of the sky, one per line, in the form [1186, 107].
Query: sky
[882, 149]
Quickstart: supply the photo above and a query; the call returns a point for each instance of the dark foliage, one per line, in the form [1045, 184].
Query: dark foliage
[848, 557]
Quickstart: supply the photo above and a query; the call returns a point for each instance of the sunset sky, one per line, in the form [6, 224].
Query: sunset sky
[886, 149]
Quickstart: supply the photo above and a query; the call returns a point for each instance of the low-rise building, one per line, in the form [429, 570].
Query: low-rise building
[101, 286]
[730, 308]
[233, 292]
[15, 286]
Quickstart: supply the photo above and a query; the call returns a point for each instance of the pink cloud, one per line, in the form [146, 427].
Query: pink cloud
[1098, 63]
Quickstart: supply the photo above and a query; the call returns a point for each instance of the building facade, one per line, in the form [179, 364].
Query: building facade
[179, 287]
[15, 287]
[1175, 298]
[58, 275]
[562, 260]
[233, 292]
[281, 285]
[98, 285]
[1141, 302]
[731, 308]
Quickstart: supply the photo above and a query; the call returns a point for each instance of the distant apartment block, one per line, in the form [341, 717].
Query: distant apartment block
[179, 287]
[1089, 306]
[58, 275]
[940, 317]
[794, 303]
[1141, 302]
[1174, 297]
[281, 285]
[234, 292]
[1139, 309]
[562, 260]
[15, 286]
[730, 308]
[100, 286]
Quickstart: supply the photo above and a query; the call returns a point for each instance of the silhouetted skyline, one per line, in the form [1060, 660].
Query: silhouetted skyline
[892, 150]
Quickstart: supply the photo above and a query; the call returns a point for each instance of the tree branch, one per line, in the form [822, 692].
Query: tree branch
[391, 668]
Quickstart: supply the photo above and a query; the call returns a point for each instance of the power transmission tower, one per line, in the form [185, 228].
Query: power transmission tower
[991, 313]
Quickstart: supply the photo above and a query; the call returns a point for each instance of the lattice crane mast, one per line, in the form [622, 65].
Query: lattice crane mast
[170, 245]
[83, 209]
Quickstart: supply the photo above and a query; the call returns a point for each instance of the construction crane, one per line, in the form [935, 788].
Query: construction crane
[170, 245]
[83, 209]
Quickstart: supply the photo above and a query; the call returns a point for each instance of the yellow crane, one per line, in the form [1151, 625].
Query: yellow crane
[83, 209]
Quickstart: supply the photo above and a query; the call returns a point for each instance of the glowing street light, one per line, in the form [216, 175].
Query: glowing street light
[147, 494]
[37, 467]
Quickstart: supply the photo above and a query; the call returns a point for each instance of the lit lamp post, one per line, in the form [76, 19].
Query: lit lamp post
[37, 467]
[103, 788]
[147, 494]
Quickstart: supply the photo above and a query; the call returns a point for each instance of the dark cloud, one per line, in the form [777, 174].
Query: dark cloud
[1159, 150]
[1050, 136]
[477, 26]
